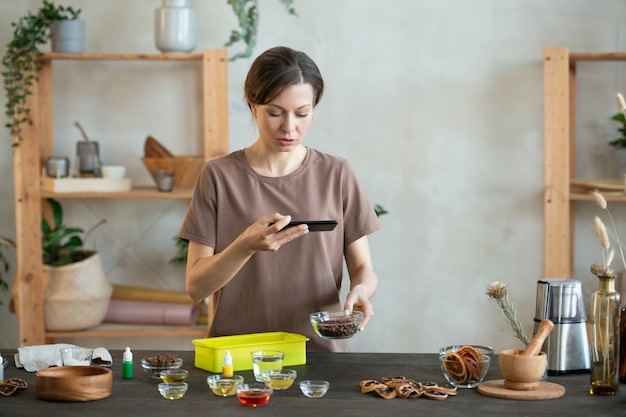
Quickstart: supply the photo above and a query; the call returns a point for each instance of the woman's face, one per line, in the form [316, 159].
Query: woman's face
[284, 121]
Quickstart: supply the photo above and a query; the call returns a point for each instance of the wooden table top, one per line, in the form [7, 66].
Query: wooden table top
[139, 396]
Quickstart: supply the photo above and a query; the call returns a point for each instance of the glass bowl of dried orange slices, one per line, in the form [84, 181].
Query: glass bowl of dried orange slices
[465, 366]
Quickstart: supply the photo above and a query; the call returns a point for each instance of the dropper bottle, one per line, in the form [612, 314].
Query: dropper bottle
[227, 366]
[127, 364]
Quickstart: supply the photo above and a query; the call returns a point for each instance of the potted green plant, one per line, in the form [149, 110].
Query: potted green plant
[4, 265]
[619, 144]
[77, 292]
[247, 12]
[60, 244]
[21, 63]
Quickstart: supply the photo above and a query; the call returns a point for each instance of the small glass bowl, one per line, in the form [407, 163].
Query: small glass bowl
[460, 365]
[254, 394]
[279, 380]
[172, 376]
[336, 325]
[224, 386]
[154, 371]
[314, 389]
[173, 391]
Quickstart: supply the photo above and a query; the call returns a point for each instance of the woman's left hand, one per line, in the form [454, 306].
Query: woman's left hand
[357, 299]
[363, 280]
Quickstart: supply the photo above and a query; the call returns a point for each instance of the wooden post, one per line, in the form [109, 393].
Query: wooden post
[215, 102]
[558, 145]
[29, 282]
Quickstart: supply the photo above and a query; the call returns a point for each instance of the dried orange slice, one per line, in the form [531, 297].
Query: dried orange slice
[469, 351]
[456, 367]
[18, 382]
[387, 393]
[7, 389]
[473, 361]
[370, 385]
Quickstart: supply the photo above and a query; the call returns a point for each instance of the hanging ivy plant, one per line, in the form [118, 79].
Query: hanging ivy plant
[21, 61]
[247, 12]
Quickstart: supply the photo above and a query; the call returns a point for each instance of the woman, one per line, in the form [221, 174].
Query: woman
[260, 275]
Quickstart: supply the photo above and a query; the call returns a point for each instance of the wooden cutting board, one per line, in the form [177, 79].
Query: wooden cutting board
[545, 391]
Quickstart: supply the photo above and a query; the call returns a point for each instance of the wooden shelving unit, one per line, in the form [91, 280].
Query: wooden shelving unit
[37, 145]
[559, 157]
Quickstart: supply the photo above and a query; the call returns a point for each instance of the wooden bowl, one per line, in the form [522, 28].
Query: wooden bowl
[185, 168]
[74, 383]
[522, 373]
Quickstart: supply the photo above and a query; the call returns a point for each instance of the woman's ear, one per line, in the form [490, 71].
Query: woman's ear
[253, 109]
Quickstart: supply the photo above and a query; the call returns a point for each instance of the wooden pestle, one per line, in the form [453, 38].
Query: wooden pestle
[534, 347]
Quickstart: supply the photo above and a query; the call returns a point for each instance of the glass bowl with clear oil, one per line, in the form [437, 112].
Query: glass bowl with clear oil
[223, 386]
[173, 391]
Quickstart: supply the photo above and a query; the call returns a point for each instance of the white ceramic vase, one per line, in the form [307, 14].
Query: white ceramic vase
[175, 27]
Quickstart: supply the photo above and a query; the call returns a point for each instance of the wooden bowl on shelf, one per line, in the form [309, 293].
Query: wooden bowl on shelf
[74, 383]
[185, 168]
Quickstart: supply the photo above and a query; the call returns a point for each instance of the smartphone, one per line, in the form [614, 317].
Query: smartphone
[315, 225]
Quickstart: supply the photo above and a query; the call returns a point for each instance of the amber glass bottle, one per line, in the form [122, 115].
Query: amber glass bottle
[605, 338]
[622, 344]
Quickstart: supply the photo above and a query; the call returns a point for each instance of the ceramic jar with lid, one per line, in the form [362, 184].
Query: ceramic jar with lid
[175, 27]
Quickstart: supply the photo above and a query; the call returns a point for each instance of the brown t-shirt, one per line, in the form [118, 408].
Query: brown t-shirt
[276, 291]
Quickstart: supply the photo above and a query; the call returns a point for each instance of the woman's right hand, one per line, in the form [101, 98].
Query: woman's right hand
[269, 233]
[208, 271]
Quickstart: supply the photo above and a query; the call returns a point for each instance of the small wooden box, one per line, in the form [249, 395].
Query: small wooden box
[85, 185]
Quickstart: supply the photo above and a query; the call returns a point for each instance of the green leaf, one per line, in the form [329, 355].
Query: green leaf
[247, 13]
[379, 210]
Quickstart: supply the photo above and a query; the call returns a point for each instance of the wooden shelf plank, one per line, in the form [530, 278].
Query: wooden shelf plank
[130, 330]
[135, 192]
[608, 196]
[121, 57]
[596, 56]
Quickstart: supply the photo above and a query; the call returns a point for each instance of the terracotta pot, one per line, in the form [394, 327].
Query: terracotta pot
[522, 373]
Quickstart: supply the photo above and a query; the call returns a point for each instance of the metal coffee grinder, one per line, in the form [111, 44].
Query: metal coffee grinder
[567, 346]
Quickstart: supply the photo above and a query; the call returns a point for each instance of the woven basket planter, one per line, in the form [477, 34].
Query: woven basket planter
[77, 295]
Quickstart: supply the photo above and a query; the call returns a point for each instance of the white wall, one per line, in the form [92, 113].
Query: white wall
[438, 106]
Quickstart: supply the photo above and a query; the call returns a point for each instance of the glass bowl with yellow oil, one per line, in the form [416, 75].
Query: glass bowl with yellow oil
[279, 380]
[224, 386]
[172, 376]
[173, 391]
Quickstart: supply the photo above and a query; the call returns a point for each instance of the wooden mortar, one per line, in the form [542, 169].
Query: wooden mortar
[522, 370]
